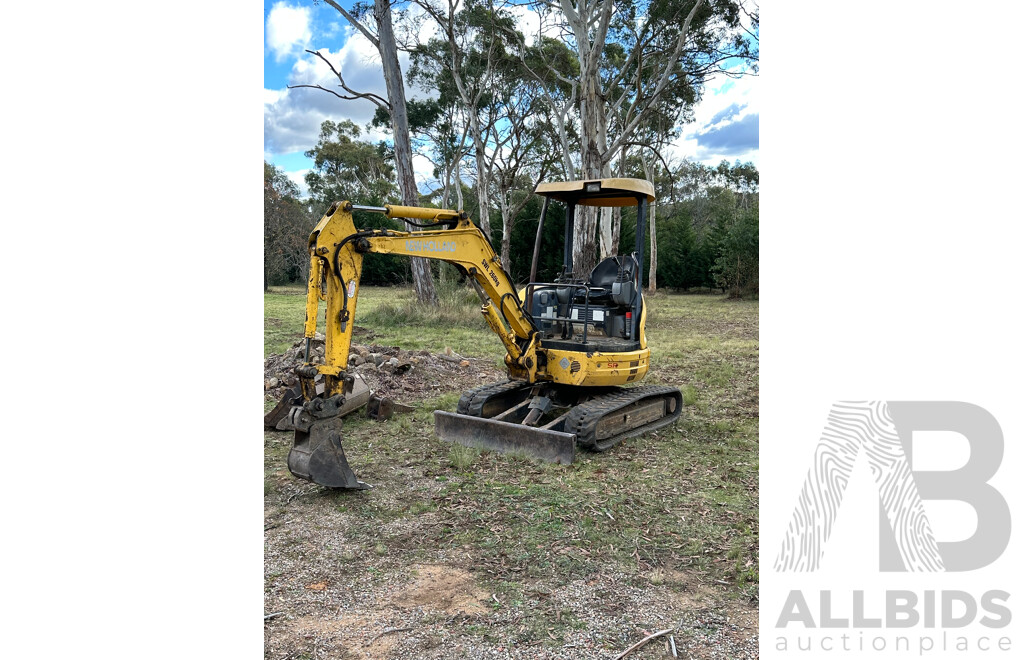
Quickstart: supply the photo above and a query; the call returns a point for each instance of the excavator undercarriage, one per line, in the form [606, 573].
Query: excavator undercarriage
[550, 422]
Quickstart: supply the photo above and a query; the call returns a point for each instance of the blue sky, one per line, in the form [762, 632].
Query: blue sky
[725, 122]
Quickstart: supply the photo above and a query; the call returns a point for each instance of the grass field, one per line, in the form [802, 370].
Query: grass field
[547, 561]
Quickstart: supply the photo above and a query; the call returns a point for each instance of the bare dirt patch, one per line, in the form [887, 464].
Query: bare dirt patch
[443, 588]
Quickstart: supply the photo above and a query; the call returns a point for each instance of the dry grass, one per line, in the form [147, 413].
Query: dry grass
[575, 561]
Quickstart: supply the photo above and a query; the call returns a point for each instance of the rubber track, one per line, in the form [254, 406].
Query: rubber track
[583, 420]
[472, 401]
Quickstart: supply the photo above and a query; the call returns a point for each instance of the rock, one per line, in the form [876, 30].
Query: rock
[274, 382]
[356, 360]
[320, 350]
[393, 362]
[377, 358]
[464, 364]
[367, 366]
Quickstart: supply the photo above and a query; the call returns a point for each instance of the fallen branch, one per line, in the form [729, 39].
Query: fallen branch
[642, 642]
[298, 493]
[276, 524]
[387, 632]
[272, 615]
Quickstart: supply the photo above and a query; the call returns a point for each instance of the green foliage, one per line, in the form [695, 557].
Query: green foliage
[524, 233]
[348, 168]
[286, 226]
[736, 267]
[361, 172]
[707, 229]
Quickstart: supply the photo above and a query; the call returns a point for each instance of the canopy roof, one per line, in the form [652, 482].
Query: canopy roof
[598, 192]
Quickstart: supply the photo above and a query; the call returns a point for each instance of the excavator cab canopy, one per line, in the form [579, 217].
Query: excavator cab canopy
[598, 309]
[600, 192]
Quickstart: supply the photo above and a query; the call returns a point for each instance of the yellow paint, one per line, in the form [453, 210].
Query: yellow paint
[594, 370]
[336, 264]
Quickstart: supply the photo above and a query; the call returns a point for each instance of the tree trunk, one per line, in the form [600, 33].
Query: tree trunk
[611, 231]
[482, 177]
[459, 203]
[652, 277]
[608, 248]
[652, 210]
[506, 239]
[421, 279]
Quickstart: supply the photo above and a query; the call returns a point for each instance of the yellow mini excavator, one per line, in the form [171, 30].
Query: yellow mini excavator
[571, 345]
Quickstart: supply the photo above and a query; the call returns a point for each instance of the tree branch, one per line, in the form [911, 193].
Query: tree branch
[356, 24]
[369, 96]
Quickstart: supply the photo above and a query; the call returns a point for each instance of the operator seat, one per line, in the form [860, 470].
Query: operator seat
[613, 279]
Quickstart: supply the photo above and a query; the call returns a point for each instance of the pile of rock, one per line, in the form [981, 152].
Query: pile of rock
[388, 370]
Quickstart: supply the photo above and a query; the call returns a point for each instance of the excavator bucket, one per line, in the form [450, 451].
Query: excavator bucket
[506, 437]
[318, 456]
[317, 453]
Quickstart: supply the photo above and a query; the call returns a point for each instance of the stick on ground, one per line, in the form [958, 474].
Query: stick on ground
[387, 632]
[642, 642]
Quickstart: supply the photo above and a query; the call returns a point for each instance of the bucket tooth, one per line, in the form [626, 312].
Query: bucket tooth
[318, 456]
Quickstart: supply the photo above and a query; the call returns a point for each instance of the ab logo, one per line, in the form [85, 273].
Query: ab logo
[882, 431]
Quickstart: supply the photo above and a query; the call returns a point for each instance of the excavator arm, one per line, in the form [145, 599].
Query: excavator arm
[336, 250]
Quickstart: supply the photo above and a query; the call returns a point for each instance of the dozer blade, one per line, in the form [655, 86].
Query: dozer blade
[318, 456]
[505, 437]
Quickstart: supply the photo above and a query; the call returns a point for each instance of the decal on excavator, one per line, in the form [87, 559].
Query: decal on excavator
[490, 272]
[430, 246]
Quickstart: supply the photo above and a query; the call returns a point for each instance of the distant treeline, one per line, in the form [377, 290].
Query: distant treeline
[705, 218]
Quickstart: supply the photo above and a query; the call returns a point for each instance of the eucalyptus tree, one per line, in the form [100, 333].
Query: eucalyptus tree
[633, 58]
[519, 157]
[286, 225]
[347, 167]
[374, 22]
[465, 61]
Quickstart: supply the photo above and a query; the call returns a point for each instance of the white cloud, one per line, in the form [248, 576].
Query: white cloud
[726, 101]
[287, 30]
[532, 23]
[292, 117]
[299, 179]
